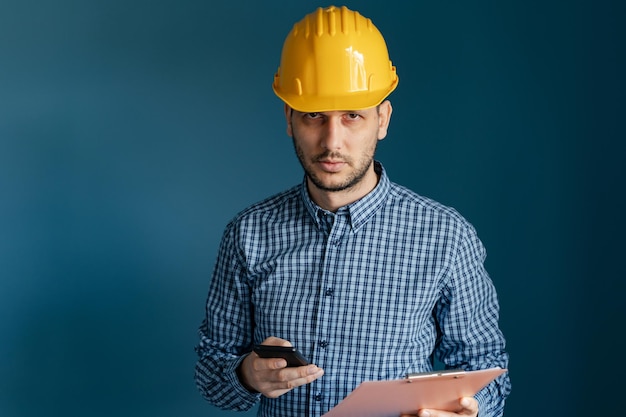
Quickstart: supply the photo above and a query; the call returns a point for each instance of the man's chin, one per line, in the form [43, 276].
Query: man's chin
[329, 186]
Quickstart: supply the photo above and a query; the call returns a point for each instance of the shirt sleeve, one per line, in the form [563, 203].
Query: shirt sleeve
[226, 331]
[468, 315]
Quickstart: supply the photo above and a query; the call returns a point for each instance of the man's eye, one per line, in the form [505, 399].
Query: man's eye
[312, 115]
[353, 116]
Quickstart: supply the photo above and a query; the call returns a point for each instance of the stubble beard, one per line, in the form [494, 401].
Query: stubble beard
[351, 181]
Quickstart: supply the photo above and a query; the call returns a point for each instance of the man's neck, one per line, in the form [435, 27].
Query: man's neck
[334, 200]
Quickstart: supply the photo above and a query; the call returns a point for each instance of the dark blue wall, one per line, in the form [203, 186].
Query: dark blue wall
[130, 132]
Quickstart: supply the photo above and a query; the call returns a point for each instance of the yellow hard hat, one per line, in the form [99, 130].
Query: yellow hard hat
[334, 59]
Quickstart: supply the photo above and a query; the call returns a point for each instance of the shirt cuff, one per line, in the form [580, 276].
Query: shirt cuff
[482, 399]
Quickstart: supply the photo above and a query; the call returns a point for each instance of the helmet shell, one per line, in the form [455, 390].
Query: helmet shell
[334, 59]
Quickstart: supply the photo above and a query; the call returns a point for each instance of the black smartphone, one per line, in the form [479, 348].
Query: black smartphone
[289, 353]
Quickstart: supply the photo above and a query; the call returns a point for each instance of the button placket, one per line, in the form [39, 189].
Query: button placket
[337, 226]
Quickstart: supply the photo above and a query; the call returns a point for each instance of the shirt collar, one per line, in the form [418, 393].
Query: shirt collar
[360, 211]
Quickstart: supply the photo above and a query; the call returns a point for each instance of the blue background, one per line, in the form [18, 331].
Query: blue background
[131, 131]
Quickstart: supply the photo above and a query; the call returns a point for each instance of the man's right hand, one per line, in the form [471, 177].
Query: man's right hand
[271, 377]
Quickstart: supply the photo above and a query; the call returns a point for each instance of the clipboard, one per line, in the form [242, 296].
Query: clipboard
[437, 390]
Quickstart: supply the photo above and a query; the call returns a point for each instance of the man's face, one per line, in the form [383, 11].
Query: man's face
[336, 148]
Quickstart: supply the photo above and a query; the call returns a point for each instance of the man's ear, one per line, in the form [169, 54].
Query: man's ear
[384, 117]
[288, 114]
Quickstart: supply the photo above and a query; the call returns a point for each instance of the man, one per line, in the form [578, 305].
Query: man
[366, 278]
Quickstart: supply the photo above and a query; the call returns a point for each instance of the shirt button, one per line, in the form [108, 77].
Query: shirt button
[318, 397]
[330, 292]
[324, 344]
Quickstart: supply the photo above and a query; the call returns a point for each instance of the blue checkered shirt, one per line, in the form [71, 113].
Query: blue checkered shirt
[371, 292]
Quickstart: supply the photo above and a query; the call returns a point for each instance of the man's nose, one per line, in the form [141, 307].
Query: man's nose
[332, 137]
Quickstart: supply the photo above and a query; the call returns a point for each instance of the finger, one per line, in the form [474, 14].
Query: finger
[276, 341]
[271, 363]
[262, 364]
[308, 374]
[470, 406]
[290, 378]
[296, 376]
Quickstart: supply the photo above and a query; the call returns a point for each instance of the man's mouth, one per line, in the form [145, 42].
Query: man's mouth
[331, 165]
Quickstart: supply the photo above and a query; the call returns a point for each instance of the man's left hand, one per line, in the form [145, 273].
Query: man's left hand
[469, 407]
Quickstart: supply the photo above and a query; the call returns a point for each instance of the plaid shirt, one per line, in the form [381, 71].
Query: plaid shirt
[372, 291]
